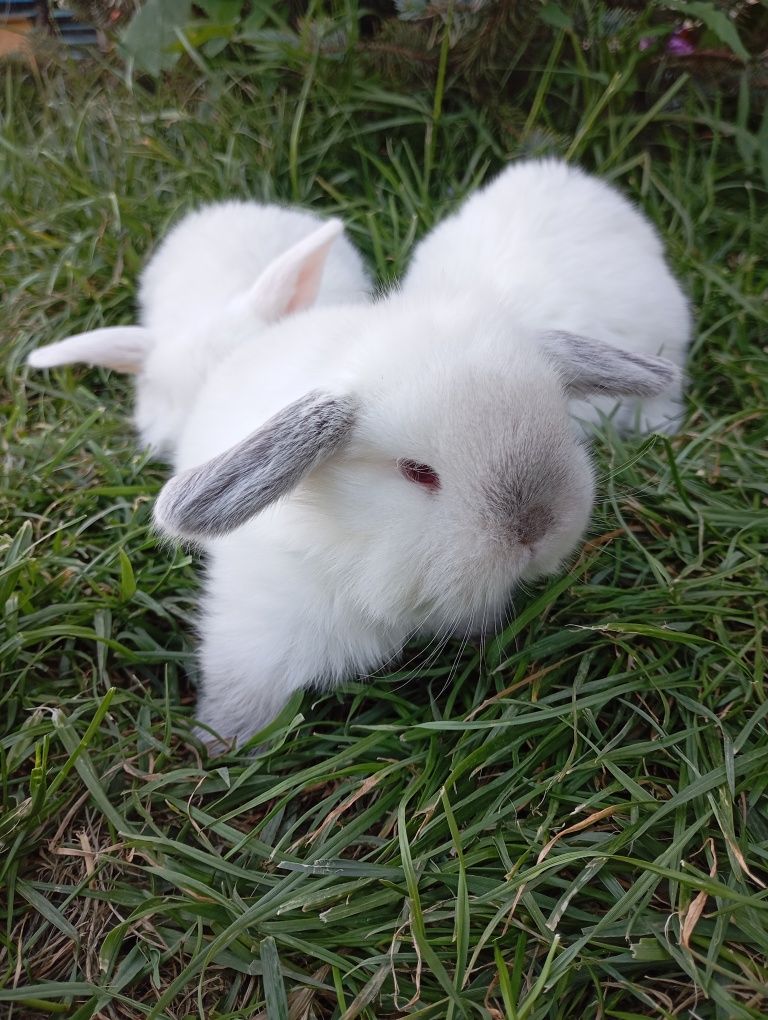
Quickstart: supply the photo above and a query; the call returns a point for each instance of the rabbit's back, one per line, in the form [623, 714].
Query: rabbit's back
[544, 221]
[561, 250]
[557, 249]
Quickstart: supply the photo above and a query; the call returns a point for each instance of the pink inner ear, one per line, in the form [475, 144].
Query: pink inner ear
[308, 280]
[291, 282]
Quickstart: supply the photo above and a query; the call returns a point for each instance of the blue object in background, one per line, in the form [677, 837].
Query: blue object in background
[76, 35]
[20, 10]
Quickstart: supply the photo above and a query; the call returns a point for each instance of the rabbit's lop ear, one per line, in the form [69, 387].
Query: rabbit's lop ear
[291, 282]
[225, 492]
[124, 348]
[591, 367]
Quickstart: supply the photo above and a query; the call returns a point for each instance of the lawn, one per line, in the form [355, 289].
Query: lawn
[569, 820]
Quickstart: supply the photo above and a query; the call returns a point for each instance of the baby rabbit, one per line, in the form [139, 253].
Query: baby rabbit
[557, 250]
[220, 278]
[362, 474]
[378, 472]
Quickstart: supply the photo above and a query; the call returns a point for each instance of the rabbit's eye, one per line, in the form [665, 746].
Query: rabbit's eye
[422, 474]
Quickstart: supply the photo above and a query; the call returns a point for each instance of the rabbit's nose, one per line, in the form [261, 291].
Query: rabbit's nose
[532, 524]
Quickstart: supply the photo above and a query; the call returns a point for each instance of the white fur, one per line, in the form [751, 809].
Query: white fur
[218, 280]
[332, 581]
[192, 293]
[559, 249]
[215, 254]
[333, 577]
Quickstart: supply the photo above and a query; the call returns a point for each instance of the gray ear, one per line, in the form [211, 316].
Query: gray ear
[225, 492]
[591, 367]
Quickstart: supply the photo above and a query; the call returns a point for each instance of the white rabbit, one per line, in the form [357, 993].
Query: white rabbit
[221, 276]
[558, 249]
[382, 471]
[366, 473]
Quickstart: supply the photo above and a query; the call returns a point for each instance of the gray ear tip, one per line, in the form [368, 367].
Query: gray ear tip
[167, 513]
[175, 516]
[666, 372]
[675, 371]
[593, 367]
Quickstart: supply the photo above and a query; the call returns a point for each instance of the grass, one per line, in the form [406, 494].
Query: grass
[571, 821]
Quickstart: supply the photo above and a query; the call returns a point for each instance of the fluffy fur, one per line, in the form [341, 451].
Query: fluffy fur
[561, 250]
[323, 556]
[219, 279]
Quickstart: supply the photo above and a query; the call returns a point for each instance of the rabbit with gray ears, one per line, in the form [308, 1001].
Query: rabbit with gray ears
[219, 279]
[362, 474]
[397, 469]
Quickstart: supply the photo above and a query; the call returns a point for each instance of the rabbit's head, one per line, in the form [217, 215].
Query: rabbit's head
[442, 470]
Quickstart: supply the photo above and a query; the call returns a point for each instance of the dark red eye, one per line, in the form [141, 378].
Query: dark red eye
[423, 474]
